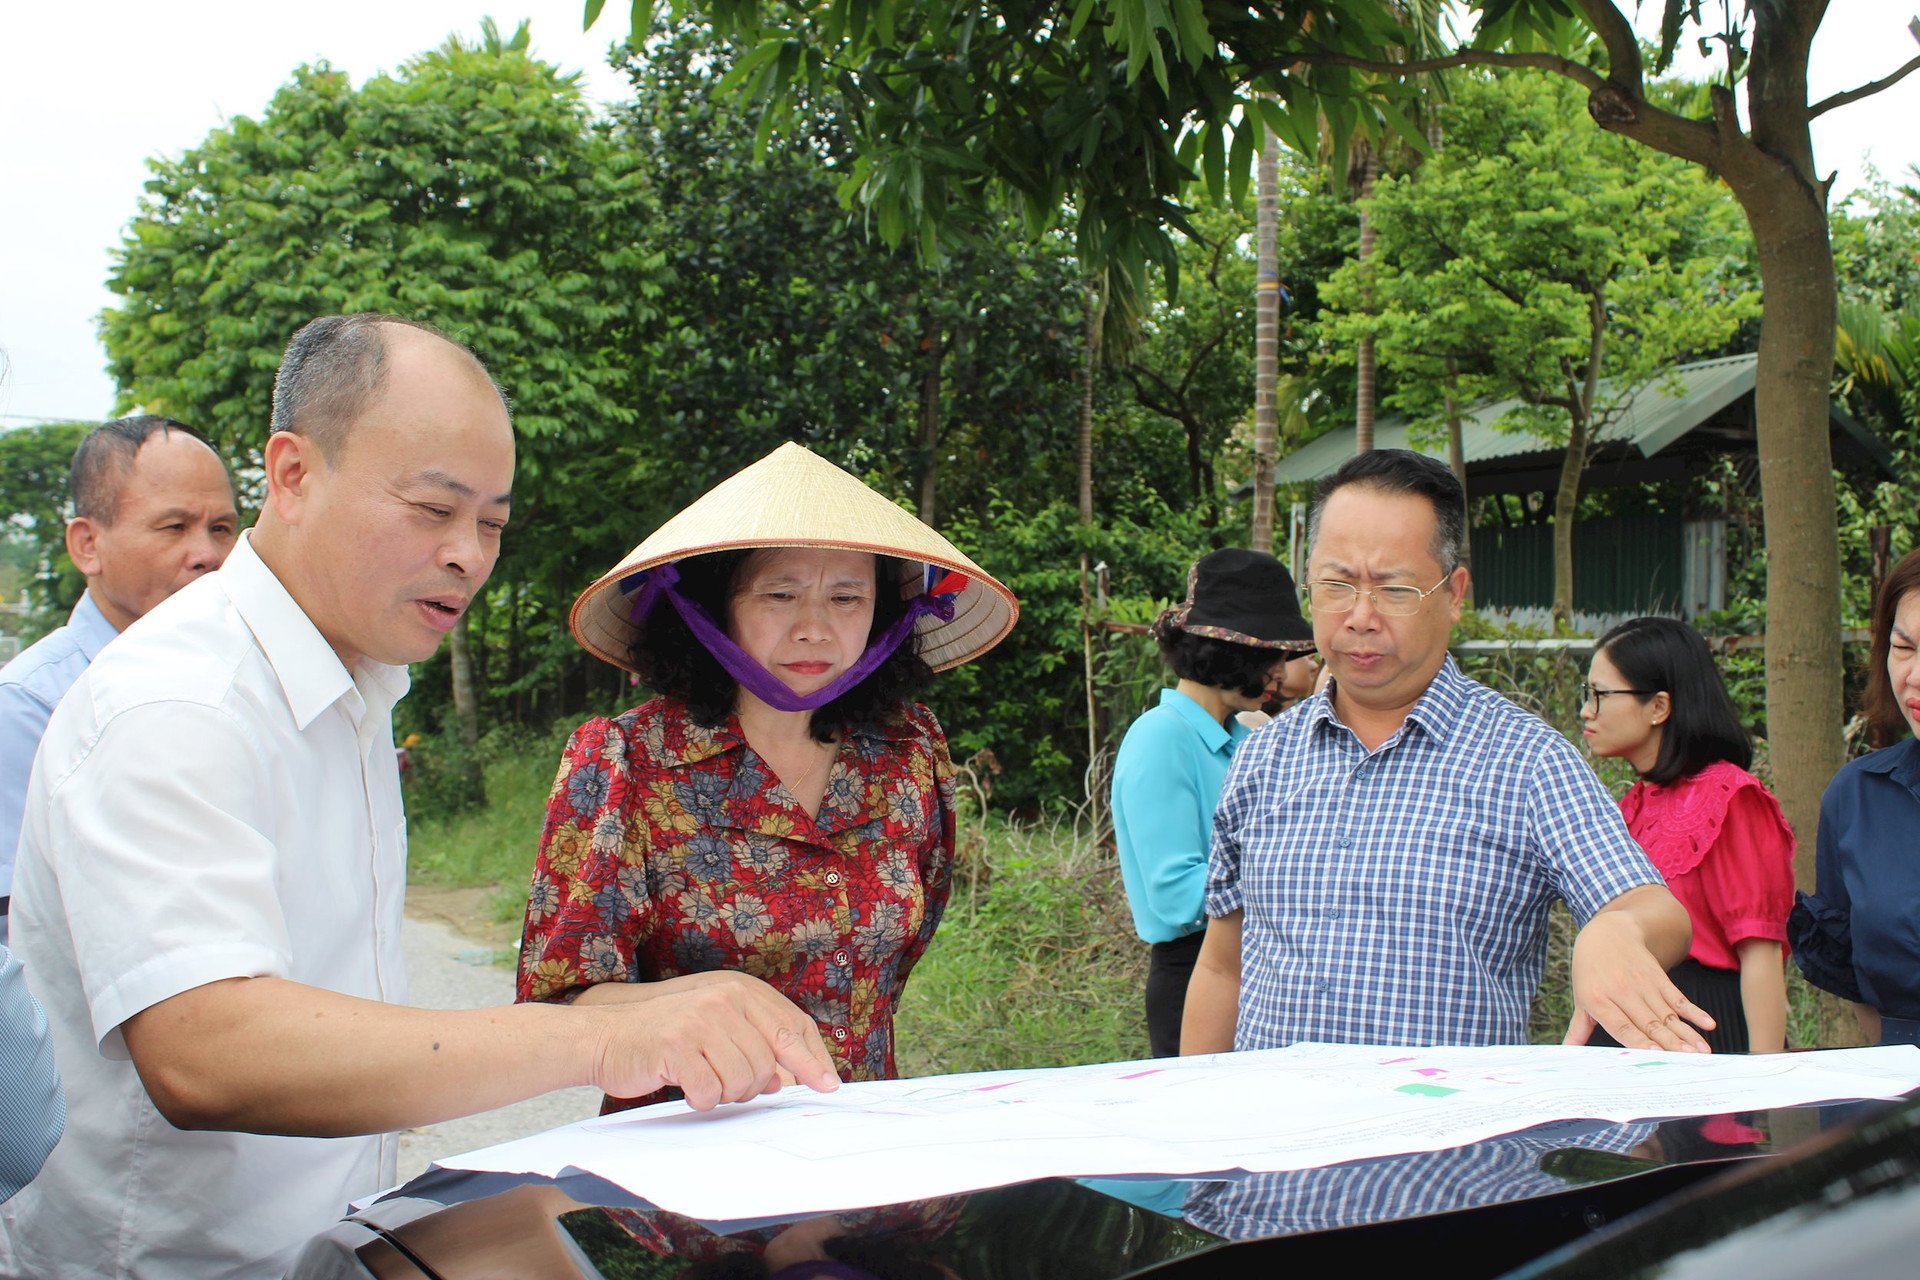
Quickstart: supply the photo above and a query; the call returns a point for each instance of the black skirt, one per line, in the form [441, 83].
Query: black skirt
[1168, 970]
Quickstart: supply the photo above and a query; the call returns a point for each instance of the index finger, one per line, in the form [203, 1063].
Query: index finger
[802, 1057]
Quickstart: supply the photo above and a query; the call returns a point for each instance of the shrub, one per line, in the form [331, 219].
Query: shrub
[1035, 965]
[453, 840]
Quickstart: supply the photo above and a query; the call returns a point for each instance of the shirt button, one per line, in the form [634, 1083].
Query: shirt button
[833, 877]
[1333, 913]
[1345, 842]
[839, 1033]
[841, 957]
[1325, 985]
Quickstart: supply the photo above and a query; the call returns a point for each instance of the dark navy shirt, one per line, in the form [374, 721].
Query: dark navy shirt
[1865, 912]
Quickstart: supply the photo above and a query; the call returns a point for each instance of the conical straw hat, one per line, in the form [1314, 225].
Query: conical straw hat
[795, 498]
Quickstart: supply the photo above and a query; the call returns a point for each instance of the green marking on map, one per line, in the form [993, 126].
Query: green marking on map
[1657, 1063]
[1426, 1090]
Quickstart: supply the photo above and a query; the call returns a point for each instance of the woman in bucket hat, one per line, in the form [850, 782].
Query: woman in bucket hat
[1235, 643]
[781, 807]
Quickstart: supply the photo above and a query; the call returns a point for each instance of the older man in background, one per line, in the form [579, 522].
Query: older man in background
[152, 510]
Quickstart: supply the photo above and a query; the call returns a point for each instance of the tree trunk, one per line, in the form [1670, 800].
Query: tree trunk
[1804, 663]
[1580, 398]
[1457, 460]
[936, 352]
[1566, 510]
[466, 713]
[1266, 346]
[1772, 175]
[466, 710]
[1096, 317]
[1365, 381]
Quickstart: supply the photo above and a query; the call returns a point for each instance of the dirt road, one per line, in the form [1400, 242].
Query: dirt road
[456, 970]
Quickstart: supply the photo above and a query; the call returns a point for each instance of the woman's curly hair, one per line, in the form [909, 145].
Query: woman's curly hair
[1219, 664]
[670, 659]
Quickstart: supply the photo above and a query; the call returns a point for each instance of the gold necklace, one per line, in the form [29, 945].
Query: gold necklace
[822, 763]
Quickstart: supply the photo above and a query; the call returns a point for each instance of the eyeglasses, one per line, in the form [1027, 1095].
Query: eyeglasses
[1332, 596]
[1588, 693]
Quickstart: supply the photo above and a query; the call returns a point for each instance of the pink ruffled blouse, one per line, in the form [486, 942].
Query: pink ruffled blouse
[1726, 851]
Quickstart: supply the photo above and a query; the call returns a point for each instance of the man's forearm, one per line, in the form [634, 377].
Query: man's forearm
[1662, 921]
[266, 1055]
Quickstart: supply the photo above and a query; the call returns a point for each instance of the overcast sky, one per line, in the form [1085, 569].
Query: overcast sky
[88, 92]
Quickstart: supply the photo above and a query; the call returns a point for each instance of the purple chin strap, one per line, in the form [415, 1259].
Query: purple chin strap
[761, 683]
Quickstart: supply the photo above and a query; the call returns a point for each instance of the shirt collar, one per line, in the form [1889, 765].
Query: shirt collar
[1436, 711]
[1439, 708]
[699, 743]
[1213, 734]
[311, 675]
[89, 627]
[1901, 763]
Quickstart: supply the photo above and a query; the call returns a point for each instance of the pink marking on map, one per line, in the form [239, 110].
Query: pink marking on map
[989, 1088]
[1429, 1071]
[1391, 1061]
[1141, 1075]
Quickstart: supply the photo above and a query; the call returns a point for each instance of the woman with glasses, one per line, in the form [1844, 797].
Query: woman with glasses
[1654, 698]
[1858, 934]
[1235, 643]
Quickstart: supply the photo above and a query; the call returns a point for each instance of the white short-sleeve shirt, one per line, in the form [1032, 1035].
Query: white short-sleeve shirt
[217, 797]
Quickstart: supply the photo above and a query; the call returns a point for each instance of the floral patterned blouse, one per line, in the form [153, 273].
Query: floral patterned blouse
[672, 849]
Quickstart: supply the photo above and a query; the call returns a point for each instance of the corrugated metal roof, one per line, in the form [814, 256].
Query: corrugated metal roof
[1658, 414]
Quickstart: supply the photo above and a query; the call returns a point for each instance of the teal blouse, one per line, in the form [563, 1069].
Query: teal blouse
[1166, 781]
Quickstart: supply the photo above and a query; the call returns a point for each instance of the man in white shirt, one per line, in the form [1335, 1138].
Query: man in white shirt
[152, 511]
[214, 855]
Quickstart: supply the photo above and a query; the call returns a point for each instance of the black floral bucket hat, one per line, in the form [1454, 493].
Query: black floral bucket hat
[1246, 597]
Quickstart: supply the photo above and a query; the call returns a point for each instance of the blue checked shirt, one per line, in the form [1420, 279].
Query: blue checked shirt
[31, 686]
[1496, 1170]
[1400, 896]
[32, 1109]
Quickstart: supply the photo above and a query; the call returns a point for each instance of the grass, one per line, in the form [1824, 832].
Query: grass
[1035, 964]
[456, 843]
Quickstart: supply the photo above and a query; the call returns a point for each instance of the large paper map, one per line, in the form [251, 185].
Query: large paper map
[1295, 1108]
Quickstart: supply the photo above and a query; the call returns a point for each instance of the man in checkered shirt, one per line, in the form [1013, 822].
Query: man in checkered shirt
[1385, 853]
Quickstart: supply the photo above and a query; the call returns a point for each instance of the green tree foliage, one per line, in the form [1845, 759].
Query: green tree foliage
[1026, 701]
[34, 462]
[470, 190]
[1190, 372]
[1190, 363]
[662, 309]
[1533, 256]
[1121, 109]
[1876, 237]
[1876, 243]
[786, 321]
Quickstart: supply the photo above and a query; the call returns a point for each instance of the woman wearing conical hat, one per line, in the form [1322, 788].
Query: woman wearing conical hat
[782, 806]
